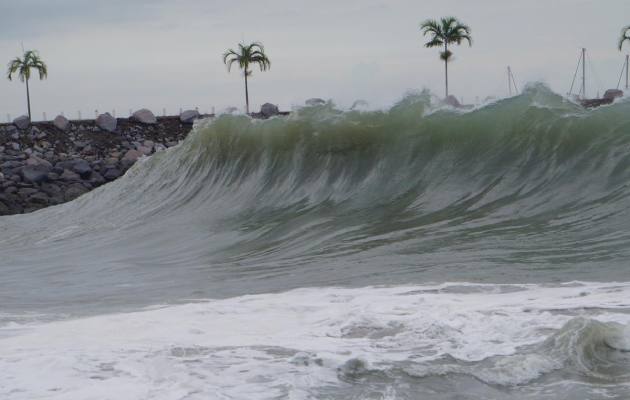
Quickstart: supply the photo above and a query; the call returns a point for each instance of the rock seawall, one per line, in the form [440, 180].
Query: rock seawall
[49, 163]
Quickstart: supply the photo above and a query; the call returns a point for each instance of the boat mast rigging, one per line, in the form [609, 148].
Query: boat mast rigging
[511, 82]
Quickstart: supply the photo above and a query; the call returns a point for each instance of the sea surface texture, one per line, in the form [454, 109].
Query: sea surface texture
[412, 253]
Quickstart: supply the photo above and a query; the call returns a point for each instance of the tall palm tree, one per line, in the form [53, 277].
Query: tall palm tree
[247, 55]
[444, 32]
[625, 35]
[23, 66]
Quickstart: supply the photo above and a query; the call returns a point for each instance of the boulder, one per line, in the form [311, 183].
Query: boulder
[144, 116]
[69, 176]
[111, 174]
[34, 160]
[22, 122]
[106, 122]
[315, 102]
[51, 189]
[145, 150]
[75, 190]
[189, 116]
[38, 198]
[612, 94]
[11, 164]
[132, 156]
[269, 110]
[27, 191]
[82, 168]
[35, 173]
[60, 122]
[97, 179]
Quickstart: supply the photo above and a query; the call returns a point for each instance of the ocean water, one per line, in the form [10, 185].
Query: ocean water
[410, 253]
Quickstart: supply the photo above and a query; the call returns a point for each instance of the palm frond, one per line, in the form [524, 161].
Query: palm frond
[246, 55]
[431, 27]
[435, 42]
[22, 66]
[13, 67]
[446, 31]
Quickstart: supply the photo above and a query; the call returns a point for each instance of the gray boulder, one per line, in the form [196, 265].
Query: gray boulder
[35, 173]
[69, 176]
[145, 150]
[60, 122]
[111, 174]
[38, 198]
[132, 156]
[315, 102]
[189, 116]
[269, 110]
[75, 190]
[106, 122]
[34, 160]
[22, 122]
[82, 168]
[144, 116]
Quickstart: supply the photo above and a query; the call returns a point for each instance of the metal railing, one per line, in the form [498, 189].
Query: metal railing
[79, 114]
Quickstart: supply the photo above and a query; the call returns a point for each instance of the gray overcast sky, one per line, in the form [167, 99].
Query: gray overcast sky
[126, 54]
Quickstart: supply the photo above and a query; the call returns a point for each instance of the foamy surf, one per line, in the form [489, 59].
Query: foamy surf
[373, 342]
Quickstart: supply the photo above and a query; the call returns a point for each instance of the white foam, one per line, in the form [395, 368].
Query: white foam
[286, 344]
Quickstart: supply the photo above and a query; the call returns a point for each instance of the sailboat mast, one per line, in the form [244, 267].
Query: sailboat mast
[583, 73]
[627, 57]
[509, 81]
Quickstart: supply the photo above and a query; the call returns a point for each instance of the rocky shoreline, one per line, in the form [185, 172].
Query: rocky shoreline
[49, 163]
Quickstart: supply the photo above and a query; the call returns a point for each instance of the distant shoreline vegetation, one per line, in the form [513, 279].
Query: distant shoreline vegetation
[442, 33]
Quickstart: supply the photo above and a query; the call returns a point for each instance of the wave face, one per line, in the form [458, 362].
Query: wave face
[531, 190]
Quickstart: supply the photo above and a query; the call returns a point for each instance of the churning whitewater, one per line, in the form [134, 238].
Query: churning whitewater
[417, 252]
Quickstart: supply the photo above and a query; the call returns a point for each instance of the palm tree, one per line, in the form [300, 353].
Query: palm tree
[247, 55]
[23, 66]
[625, 35]
[447, 31]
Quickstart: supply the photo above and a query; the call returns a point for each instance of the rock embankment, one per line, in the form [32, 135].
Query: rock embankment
[49, 163]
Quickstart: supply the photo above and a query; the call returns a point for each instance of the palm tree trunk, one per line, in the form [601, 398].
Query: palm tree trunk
[446, 67]
[28, 100]
[246, 95]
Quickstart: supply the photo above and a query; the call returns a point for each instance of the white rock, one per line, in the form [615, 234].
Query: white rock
[60, 122]
[22, 122]
[132, 155]
[144, 116]
[34, 160]
[269, 110]
[106, 122]
[189, 116]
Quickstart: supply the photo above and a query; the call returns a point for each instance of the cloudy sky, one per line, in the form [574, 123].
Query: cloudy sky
[122, 54]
